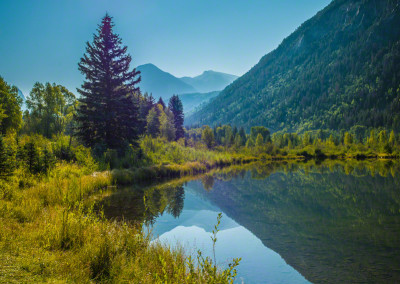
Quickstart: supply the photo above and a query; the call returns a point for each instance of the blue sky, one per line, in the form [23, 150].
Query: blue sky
[43, 40]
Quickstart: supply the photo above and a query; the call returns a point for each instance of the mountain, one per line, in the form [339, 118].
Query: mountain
[210, 81]
[337, 70]
[192, 91]
[193, 100]
[160, 83]
[22, 96]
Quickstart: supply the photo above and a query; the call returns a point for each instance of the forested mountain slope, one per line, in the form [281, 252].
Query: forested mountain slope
[339, 69]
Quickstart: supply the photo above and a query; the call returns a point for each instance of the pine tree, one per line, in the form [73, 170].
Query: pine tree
[7, 162]
[108, 113]
[31, 156]
[175, 105]
[161, 102]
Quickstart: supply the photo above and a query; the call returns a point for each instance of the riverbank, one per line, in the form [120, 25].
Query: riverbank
[51, 233]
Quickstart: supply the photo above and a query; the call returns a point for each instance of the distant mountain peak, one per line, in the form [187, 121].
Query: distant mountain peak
[163, 84]
[210, 81]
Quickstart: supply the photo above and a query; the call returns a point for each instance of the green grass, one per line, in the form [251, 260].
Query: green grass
[50, 233]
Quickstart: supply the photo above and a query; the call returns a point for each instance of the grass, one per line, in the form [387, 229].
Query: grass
[50, 233]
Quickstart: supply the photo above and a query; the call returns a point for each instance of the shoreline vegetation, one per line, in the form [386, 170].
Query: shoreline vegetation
[50, 230]
[64, 154]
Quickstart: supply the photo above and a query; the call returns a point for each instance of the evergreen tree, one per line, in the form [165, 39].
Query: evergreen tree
[371, 139]
[161, 102]
[392, 138]
[7, 162]
[207, 136]
[31, 156]
[175, 105]
[255, 130]
[48, 160]
[382, 137]
[242, 134]
[108, 113]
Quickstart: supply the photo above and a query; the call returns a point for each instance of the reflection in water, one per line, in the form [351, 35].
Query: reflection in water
[331, 222]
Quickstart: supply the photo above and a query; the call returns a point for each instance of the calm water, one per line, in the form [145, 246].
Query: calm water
[294, 223]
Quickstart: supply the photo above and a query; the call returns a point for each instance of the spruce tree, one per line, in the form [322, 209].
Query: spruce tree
[7, 161]
[161, 102]
[175, 105]
[108, 113]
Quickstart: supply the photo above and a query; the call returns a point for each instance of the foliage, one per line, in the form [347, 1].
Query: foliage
[207, 136]
[167, 125]
[10, 108]
[7, 160]
[108, 111]
[51, 109]
[337, 70]
[153, 122]
[175, 105]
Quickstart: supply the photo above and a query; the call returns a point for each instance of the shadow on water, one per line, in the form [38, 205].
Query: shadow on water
[332, 222]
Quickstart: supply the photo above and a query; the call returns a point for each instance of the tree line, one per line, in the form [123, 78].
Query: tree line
[111, 112]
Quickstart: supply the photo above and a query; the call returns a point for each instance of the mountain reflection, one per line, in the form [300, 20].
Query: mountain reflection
[332, 222]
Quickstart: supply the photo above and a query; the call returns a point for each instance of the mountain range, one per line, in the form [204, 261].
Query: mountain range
[197, 89]
[338, 70]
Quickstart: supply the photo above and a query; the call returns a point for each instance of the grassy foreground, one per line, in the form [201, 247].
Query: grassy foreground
[51, 233]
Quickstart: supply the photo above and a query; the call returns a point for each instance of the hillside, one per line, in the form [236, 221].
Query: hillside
[210, 81]
[337, 70]
[160, 83]
[192, 100]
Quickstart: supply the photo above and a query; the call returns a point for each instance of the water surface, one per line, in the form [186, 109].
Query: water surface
[290, 223]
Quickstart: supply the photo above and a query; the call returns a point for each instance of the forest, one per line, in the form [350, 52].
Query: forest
[65, 152]
[338, 70]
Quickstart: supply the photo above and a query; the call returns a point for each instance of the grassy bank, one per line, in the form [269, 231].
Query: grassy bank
[50, 232]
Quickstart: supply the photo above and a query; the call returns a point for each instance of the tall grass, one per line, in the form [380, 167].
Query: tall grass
[50, 233]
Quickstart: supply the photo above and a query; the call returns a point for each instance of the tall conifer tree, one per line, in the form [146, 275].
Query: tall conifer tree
[175, 105]
[108, 112]
[161, 102]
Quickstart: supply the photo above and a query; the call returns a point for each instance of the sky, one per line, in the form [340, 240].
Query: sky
[43, 40]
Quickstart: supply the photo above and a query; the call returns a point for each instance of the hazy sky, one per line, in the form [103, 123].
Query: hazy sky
[43, 40]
